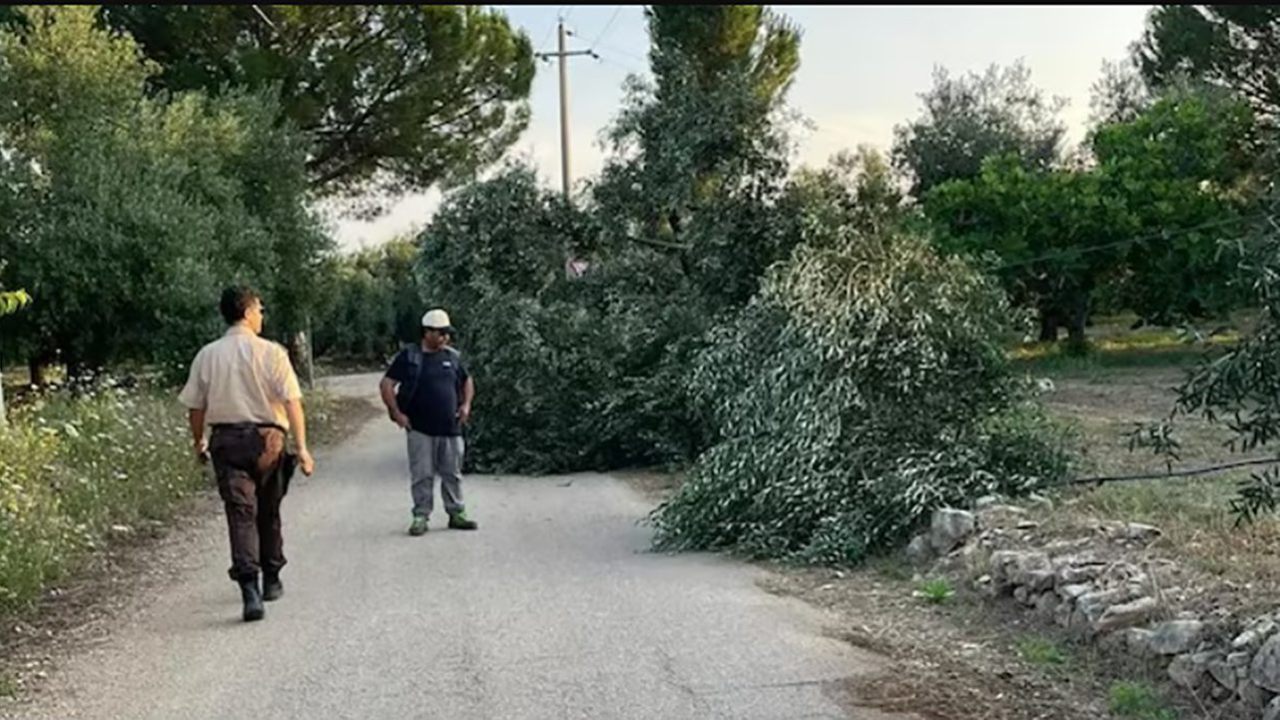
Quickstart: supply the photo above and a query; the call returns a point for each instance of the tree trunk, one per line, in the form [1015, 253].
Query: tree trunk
[36, 366]
[300, 352]
[1077, 343]
[1048, 325]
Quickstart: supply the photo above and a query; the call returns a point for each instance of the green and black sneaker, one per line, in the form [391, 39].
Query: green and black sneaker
[419, 526]
[460, 521]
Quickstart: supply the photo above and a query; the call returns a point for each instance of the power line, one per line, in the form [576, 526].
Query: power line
[628, 53]
[1163, 235]
[1173, 474]
[621, 66]
[547, 36]
[607, 25]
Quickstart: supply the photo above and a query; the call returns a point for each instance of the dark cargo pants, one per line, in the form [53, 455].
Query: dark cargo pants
[246, 460]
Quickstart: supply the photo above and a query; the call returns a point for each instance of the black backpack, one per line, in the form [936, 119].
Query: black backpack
[406, 390]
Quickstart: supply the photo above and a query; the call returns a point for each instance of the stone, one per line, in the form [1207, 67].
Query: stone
[1251, 696]
[1264, 671]
[1040, 580]
[1093, 604]
[1010, 568]
[1030, 567]
[1190, 670]
[1047, 605]
[1176, 636]
[1239, 659]
[1253, 637]
[1272, 711]
[1125, 615]
[920, 550]
[986, 501]
[1022, 595]
[1039, 501]
[1062, 614]
[1139, 532]
[950, 528]
[1224, 674]
[1069, 574]
[1072, 592]
[1138, 642]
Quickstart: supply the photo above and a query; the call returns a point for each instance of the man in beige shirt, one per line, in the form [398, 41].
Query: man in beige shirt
[244, 387]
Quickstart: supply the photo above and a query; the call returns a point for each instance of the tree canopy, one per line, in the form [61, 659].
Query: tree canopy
[400, 96]
[973, 117]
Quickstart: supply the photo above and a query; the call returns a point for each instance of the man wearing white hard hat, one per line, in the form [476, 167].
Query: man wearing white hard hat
[428, 392]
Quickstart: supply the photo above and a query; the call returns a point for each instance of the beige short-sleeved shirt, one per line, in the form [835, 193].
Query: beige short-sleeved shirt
[241, 378]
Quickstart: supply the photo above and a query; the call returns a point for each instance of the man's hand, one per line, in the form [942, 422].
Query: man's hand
[306, 462]
[201, 447]
[399, 418]
[464, 413]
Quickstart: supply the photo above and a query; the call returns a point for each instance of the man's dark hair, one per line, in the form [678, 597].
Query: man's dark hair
[235, 301]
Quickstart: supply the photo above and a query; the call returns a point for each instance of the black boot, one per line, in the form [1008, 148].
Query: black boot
[253, 609]
[272, 588]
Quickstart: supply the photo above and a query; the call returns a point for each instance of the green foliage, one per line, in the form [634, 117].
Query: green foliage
[1185, 169]
[856, 189]
[969, 119]
[13, 301]
[1240, 387]
[75, 466]
[723, 41]
[370, 303]
[1232, 46]
[126, 214]
[860, 390]
[1146, 221]
[1138, 701]
[936, 591]
[589, 372]
[701, 152]
[494, 257]
[401, 96]
[1119, 95]
[1042, 652]
[1052, 234]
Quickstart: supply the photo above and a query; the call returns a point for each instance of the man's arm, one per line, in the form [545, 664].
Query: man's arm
[195, 416]
[468, 394]
[388, 390]
[298, 426]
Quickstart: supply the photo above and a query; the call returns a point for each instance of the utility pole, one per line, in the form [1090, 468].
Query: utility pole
[563, 54]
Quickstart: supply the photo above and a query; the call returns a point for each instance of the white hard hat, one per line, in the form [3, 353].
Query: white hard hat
[437, 320]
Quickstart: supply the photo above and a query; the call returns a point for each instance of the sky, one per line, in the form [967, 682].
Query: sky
[862, 69]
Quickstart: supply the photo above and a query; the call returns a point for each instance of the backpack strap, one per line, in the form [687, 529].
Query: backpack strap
[413, 353]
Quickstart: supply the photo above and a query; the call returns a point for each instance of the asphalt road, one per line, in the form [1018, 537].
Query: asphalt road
[554, 609]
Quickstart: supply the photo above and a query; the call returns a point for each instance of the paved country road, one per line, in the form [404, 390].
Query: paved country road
[554, 609]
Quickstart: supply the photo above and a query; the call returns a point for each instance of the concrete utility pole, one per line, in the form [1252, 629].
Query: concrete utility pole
[562, 53]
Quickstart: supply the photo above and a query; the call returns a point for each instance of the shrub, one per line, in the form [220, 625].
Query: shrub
[77, 463]
[864, 387]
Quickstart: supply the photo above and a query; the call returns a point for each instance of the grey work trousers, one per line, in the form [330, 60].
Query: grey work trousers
[429, 456]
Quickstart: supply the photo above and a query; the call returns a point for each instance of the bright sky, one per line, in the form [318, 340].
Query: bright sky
[861, 72]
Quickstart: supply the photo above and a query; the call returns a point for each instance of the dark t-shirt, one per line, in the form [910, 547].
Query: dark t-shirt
[433, 407]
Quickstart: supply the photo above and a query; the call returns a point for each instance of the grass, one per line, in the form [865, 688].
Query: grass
[1041, 652]
[1150, 350]
[936, 592]
[1139, 701]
